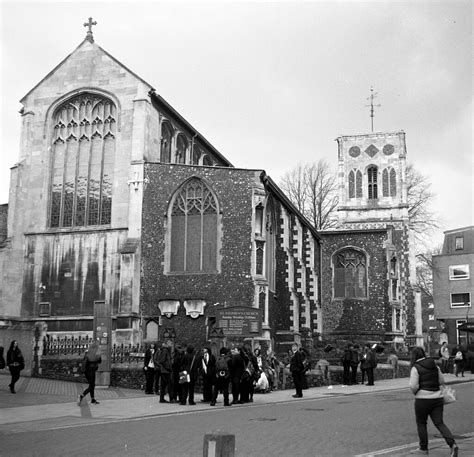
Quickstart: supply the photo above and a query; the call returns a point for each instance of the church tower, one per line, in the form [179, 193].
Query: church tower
[372, 180]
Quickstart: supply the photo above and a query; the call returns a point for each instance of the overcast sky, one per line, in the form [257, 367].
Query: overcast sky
[273, 84]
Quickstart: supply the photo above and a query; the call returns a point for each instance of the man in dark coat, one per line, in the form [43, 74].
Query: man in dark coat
[368, 363]
[207, 365]
[297, 370]
[189, 364]
[221, 383]
[237, 368]
[149, 369]
[164, 364]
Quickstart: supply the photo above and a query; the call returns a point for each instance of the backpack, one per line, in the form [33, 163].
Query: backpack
[222, 369]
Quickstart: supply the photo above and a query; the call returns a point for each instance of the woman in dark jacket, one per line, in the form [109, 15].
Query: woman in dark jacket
[425, 381]
[16, 363]
[92, 361]
[189, 364]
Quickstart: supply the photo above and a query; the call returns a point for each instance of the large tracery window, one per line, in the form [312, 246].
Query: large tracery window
[350, 274]
[194, 219]
[83, 149]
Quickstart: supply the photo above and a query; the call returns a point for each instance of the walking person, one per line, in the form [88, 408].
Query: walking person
[149, 369]
[297, 369]
[189, 364]
[425, 381]
[15, 363]
[92, 361]
[444, 357]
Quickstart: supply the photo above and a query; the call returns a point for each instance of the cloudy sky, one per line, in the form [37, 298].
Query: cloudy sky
[273, 84]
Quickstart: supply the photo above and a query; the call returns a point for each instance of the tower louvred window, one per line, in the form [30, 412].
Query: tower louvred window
[83, 150]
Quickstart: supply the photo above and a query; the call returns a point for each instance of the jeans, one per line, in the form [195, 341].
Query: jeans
[434, 409]
[90, 376]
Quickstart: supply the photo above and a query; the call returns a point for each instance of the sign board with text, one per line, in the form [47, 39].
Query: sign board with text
[239, 321]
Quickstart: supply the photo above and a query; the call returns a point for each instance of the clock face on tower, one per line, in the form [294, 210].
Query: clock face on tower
[388, 149]
[354, 151]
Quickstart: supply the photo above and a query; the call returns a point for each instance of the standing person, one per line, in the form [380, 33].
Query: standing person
[208, 372]
[149, 368]
[164, 364]
[16, 363]
[425, 381]
[393, 360]
[444, 357]
[237, 368]
[175, 386]
[346, 364]
[355, 359]
[189, 364]
[297, 369]
[459, 355]
[221, 383]
[92, 361]
[368, 363]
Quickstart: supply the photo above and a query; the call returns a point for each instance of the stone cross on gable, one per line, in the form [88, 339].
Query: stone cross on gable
[89, 24]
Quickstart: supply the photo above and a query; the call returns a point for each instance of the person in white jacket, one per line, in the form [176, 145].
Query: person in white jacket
[425, 381]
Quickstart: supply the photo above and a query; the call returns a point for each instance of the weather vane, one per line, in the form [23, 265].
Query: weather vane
[89, 24]
[371, 98]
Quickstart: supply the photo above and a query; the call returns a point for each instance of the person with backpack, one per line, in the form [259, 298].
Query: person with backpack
[346, 364]
[221, 383]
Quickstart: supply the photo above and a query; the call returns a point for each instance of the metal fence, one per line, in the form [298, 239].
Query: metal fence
[69, 345]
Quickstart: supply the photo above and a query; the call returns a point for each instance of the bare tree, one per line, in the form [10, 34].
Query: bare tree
[424, 270]
[422, 219]
[313, 190]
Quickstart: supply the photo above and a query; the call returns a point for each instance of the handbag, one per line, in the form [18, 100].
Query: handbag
[184, 377]
[449, 395]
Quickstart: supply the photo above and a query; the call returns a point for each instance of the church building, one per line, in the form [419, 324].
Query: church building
[119, 209]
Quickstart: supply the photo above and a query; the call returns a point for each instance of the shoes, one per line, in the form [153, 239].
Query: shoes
[419, 452]
[149, 393]
[205, 401]
[94, 402]
[192, 403]
[227, 404]
[181, 403]
[297, 396]
[454, 450]
[164, 401]
[12, 388]
[79, 399]
[213, 403]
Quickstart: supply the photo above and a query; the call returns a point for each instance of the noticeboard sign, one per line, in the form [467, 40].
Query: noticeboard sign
[239, 321]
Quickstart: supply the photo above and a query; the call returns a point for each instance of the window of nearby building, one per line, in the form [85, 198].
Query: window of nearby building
[350, 274]
[259, 257]
[460, 300]
[83, 150]
[166, 137]
[459, 243]
[262, 298]
[458, 272]
[194, 227]
[460, 335]
[372, 182]
[397, 319]
[259, 212]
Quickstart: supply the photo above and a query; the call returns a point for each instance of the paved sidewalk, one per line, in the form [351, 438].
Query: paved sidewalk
[43, 404]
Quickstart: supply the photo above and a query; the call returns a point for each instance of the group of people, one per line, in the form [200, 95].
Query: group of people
[352, 358]
[235, 372]
[457, 355]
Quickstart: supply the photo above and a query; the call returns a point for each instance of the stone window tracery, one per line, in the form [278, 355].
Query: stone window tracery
[194, 219]
[389, 182]
[166, 138]
[83, 149]
[372, 182]
[181, 148]
[350, 274]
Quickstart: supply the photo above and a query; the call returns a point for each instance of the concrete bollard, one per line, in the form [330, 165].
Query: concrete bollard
[219, 444]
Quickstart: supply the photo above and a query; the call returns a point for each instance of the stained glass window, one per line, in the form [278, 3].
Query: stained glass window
[350, 274]
[194, 214]
[83, 152]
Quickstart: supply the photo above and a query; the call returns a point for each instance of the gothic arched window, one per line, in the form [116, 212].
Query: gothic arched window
[193, 229]
[358, 184]
[350, 274]
[166, 138]
[181, 148]
[351, 184]
[196, 155]
[207, 161]
[83, 150]
[393, 182]
[372, 182]
[389, 182]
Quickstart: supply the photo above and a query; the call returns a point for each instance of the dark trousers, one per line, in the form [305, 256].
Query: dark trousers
[363, 372]
[187, 392]
[370, 376]
[346, 377]
[90, 376]
[15, 372]
[150, 380]
[244, 389]
[434, 409]
[206, 388]
[354, 374]
[221, 385]
[156, 387]
[235, 390]
[174, 386]
[165, 382]
[298, 381]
